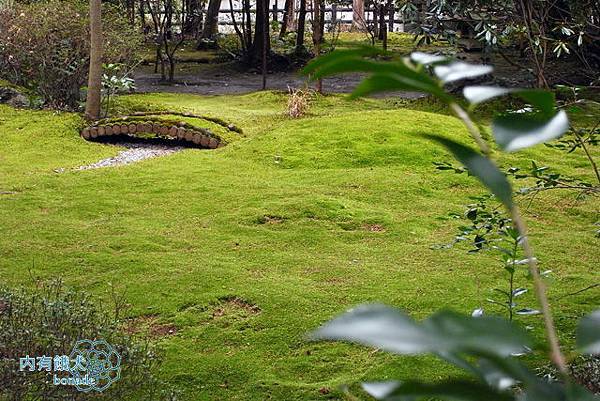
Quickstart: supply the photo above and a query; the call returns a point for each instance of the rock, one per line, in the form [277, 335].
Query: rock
[13, 97]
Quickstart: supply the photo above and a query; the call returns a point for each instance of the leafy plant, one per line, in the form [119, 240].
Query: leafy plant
[539, 29]
[115, 80]
[483, 346]
[44, 46]
[49, 321]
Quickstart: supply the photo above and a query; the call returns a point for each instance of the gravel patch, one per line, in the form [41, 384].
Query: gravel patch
[136, 150]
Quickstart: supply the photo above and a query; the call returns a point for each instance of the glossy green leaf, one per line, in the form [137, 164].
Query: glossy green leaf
[588, 333]
[455, 390]
[458, 70]
[540, 99]
[503, 372]
[481, 167]
[517, 131]
[444, 332]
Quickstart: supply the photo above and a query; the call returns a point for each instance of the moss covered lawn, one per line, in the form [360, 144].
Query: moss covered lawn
[245, 249]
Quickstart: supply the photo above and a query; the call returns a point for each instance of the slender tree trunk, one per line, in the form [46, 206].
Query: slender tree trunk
[317, 35]
[358, 15]
[375, 26]
[390, 10]
[382, 31]
[322, 21]
[301, 27]
[130, 5]
[142, 10]
[94, 94]
[265, 41]
[236, 28]
[248, 24]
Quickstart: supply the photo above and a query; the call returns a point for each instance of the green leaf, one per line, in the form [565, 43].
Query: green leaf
[458, 70]
[588, 333]
[405, 80]
[455, 390]
[540, 99]
[355, 64]
[502, 373]
[575, 392]
[444, 332]
[340, 56]
[481, 167]
[386, 75]
[517, 131]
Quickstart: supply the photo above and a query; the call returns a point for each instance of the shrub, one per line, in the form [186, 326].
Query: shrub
[44, 46]
[49, 321]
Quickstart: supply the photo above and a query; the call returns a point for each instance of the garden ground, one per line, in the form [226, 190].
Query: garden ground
[233, 255]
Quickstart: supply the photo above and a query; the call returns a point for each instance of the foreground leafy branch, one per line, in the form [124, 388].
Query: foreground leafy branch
[454, 338]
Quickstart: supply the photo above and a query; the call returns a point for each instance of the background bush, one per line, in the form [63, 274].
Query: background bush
[44, 46]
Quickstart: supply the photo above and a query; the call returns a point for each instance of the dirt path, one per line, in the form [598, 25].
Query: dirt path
[223, 81]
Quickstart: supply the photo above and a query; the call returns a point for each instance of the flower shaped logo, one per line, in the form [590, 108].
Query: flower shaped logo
[96, 365]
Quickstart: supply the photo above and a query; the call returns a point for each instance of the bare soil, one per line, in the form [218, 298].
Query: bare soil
[217, 79]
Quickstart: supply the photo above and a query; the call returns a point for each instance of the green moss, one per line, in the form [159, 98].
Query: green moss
[399, 42]
[20, 89]
[280, 219]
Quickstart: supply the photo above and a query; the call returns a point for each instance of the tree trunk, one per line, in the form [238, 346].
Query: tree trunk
[358, 15]
[382, 31]
[317, 35]
[322, 21]
[375, 25]
[301, 27]
[92, 104]
[261, 31]
[211, 23]
[287, 23]
[142, 11]
[248, 24]
[192, 19]
[130, 5]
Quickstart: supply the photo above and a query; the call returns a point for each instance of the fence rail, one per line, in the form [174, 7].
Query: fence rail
[333, 14]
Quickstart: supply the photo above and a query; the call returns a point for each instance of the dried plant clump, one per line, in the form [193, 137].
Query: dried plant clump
[299, 102]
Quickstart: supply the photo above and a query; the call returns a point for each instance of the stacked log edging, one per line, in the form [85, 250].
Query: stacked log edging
[174, 130]
[223, 123]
